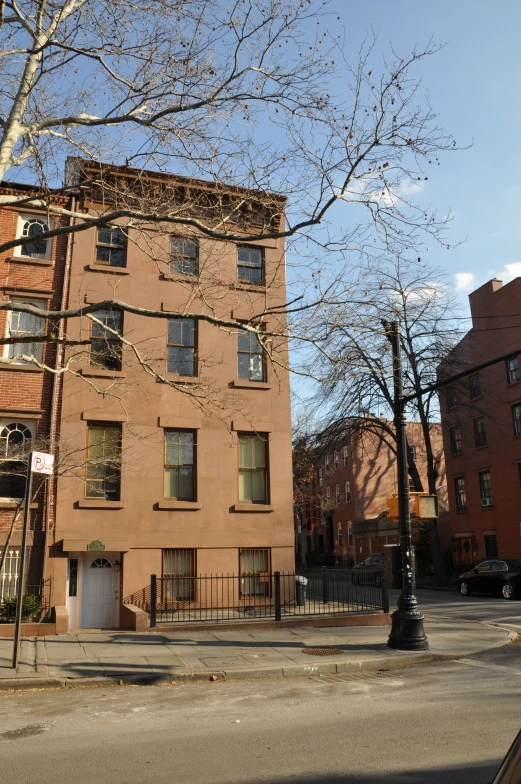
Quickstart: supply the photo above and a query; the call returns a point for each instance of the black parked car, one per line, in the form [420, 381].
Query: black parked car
[369, 571]
[502, 577]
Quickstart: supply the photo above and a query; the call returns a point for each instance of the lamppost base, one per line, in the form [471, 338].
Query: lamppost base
[407, 632]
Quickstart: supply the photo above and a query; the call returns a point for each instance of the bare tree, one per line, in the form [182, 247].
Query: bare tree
[354, 361]
[238, 95]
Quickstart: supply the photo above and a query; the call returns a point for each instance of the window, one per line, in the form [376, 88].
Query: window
[516, 413]
[308, 512]
[328, 497]
[337, 495]
[254, 566]
[346, 456]
[30, 226]
[485, 486]
[179, 574]
[412, 452]
[461, 494]
[111, 247]
[326, 462]
[474, 386]
[184, 256]
[25, 325]
[339, 535]
[452, 400]
[513, 374]
[455, 440]
[103, 462]
[179, 479]
[480, 433]
[73, 576]
[181, 349]
[412, 485]
[105, 346]
[347, 491]
[10, 572]
[491, 545]
[335, 461]
[253, 469]
[250, 357]
[320, 477]
[250, 266]
[349, 533]
[15, 445]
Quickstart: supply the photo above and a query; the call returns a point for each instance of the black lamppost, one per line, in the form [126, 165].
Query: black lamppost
[407, 632]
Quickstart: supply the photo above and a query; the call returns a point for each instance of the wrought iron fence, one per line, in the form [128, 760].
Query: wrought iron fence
[221, 598]
[36, 604]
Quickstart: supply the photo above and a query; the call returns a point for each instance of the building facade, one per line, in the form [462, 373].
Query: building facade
[32, 272]
[354, 481]
[173, 433]
[481, 417]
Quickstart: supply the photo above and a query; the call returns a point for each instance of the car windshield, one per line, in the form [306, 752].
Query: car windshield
[373, 559]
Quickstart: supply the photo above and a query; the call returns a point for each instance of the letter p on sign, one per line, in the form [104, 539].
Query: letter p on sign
[41, 463]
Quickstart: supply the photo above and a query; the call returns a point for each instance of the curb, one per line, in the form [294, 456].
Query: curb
[292, 671]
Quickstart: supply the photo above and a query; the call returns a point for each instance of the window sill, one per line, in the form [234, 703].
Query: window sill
[245, 383]
[178, 277]
[20, 367]
[482, 446]
[107, 268]
[98, 503]
[238, 286]
[456, 454]
[30, 260]
[172, 504]
[179, 379]
[100, 373]
[12, 504]
[486, 508]
[253, 508]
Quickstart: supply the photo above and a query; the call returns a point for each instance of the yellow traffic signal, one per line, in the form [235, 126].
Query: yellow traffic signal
[392, 504]
[426, 506]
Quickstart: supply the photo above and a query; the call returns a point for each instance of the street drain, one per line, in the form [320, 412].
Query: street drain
[323, 651]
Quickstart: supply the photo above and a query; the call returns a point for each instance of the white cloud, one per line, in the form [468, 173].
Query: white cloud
[509, 272]
[464, 280]
[408, 188]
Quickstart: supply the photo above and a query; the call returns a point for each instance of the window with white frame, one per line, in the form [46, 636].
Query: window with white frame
[320, 477]
[328, 495]
[346, 457]
[339, 534]
[22, 327]
[254, 567]
[485, 486]
[347, 491]
[29, 227]
[16, 439]
[349, 529]
[326, 462]
[337, 494]
[335, 460]
[412, 452]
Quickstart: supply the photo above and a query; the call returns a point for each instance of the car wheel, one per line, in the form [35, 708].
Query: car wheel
[464, 588]
[508, 591]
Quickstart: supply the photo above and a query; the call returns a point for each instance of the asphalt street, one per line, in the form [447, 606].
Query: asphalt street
[449, 722]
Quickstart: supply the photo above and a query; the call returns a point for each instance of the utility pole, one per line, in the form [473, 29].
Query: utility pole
[407, 632]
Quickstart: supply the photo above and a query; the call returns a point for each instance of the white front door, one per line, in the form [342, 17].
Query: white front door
[99, 603]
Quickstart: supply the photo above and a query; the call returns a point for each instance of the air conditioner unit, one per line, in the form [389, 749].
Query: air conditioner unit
[486, 502]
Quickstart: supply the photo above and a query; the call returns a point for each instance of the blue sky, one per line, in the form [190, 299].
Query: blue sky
[474, 85]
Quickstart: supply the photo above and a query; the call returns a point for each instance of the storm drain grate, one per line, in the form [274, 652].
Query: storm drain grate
[323, 651]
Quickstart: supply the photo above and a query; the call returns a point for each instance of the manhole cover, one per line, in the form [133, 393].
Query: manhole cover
[323, 651]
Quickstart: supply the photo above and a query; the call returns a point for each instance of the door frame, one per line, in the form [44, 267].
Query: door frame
[87, 559]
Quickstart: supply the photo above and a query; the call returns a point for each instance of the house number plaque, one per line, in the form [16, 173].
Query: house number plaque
[96, 545]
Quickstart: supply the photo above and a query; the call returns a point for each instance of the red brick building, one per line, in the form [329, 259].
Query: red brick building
[33, 272]
[481, 417]
[344, 516]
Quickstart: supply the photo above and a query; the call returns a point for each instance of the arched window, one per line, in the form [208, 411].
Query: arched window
[34, 247]
[101, 563]
[15, 443]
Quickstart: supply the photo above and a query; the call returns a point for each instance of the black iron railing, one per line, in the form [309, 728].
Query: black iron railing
[221, 598]
[36, 604]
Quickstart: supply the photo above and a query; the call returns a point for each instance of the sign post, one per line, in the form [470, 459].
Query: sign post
[39, 463]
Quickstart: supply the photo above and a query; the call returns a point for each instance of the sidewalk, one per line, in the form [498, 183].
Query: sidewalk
[86, 659]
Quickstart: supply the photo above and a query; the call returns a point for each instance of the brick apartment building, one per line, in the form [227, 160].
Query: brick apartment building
[481, 418]
[29, 396]
[344, 518]
[174, 441]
